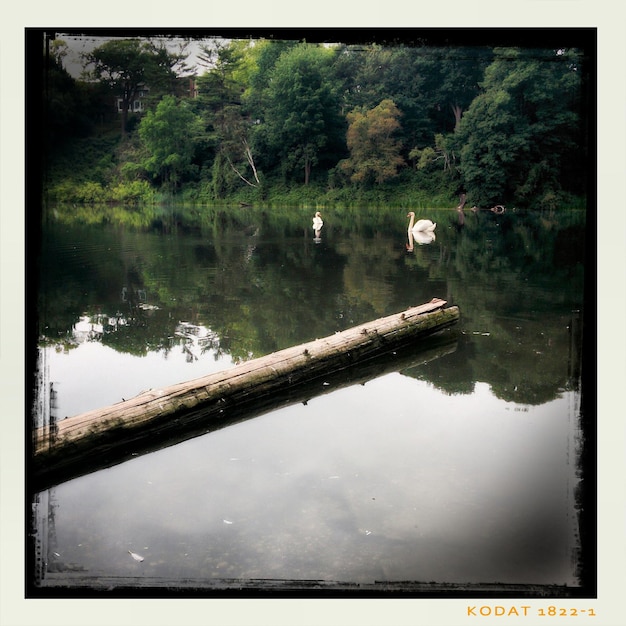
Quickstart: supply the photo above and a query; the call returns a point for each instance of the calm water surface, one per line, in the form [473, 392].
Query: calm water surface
[462, 469]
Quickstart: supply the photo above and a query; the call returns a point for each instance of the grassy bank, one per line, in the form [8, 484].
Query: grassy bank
[92, 171]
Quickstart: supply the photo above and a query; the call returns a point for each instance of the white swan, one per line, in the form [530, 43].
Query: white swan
[420, 226]
[318, 222]
[317, 227]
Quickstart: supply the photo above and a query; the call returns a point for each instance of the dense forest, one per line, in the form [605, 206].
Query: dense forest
[270, 120]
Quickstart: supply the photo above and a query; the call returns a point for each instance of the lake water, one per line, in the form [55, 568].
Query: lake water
[462, 469]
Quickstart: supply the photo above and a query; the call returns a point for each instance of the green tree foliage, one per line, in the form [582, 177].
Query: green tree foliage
[451, 80]
[516, 135]
[374, 149]
[220, 103]
[127, 65]
[219, 87]
[374, 73]
[507, 125]
[440, 155]
[301, 118]
[170, 135]
[61, 102]
[71, 107]
[260, 60]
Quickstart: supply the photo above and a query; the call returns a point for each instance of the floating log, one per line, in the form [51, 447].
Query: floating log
[161, 417]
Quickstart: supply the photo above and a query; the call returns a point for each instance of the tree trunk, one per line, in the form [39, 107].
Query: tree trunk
[124, 117]
[458, 112]
[161, 417]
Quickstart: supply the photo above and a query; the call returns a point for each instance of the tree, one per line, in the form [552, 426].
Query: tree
[440, 154]
[301, 109]
[375, 73]
[219, 101]
[70, 106]
[260, 60]
[170, 135]
[126, 65]
[58, 51]
[451, 80]
[374, 150]
[218, 86]
[517, 136]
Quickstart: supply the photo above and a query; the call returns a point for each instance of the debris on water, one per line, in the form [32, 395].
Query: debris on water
[136, 556]
[226, 521]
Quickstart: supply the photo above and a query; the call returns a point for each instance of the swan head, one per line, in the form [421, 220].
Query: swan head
[410, 214]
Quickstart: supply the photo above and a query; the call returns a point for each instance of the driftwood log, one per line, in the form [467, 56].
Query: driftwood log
[158, 418]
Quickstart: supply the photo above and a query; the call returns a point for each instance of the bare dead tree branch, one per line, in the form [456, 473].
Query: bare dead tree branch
[248, 153]
[245, 180]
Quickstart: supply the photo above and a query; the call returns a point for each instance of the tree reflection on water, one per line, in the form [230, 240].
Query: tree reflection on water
[464, 468]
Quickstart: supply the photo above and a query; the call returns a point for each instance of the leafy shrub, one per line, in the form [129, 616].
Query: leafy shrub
[132, 192]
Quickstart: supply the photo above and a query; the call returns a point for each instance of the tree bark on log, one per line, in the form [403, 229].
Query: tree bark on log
[161, 417]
